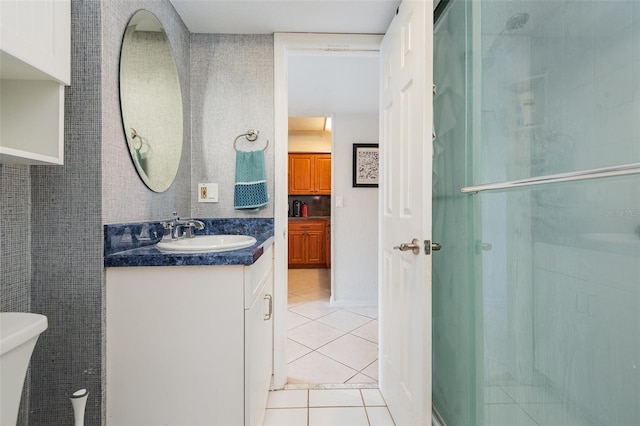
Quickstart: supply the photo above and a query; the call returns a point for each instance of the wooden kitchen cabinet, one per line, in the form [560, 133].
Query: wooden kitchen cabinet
[323, 174]
[307, 244]
[310, 174]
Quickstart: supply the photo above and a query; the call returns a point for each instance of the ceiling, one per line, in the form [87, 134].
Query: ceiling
[319, 85]
[271, 16]
[317, 124]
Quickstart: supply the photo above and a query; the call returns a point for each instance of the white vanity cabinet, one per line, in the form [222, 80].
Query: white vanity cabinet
[189, 345]
[35, 65]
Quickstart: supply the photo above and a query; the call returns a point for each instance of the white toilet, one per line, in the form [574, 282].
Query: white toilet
[18, 335]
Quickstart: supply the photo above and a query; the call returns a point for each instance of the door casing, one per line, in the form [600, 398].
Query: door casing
[286, 44]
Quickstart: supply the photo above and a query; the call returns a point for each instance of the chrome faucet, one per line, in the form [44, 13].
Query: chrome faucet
[177, 228]
[183, 228]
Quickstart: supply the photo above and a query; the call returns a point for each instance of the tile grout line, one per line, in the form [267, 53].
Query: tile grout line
[308, 410]
[296, 290]
[360, 371]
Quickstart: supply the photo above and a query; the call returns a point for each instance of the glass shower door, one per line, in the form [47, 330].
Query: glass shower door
[537, 288]
[560, 88]
[454, 354]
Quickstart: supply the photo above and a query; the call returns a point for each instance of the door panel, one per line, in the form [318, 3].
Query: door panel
[315, 246]
[323, 174]
[296, 247]
[405, 277]
[301, 174]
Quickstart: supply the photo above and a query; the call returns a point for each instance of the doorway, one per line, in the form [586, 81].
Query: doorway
[332, 315]
[313, 47]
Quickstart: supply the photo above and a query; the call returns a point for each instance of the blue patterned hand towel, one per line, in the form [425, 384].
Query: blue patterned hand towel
[251, 182]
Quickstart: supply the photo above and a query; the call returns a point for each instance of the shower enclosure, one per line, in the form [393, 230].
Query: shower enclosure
[536, 291]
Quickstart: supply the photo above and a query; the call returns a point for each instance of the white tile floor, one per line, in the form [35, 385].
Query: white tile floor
[332, 360]
[327, 407]
[328, 346]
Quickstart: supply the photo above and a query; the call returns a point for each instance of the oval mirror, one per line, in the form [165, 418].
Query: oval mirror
[151, 101]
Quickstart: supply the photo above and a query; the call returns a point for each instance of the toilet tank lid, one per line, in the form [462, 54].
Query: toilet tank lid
[17, 328]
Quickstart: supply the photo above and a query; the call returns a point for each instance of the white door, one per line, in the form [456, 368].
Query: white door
[405, 182]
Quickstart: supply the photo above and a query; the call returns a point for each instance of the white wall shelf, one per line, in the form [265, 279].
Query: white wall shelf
[35, 65]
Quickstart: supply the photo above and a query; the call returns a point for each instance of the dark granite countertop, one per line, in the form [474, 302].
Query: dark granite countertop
[311, 218]
[134, 244]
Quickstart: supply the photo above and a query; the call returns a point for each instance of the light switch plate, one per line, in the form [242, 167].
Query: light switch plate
[339, 201]
[207, 192]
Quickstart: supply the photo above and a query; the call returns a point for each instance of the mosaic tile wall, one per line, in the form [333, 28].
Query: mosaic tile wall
[15, 222]
[66, 253]
[231, 92]
[15, 249]
[125, 197]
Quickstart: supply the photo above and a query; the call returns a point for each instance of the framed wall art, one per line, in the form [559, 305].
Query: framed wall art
[365, 165]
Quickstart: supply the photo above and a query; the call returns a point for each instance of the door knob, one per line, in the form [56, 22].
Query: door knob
[435, 246]
[414, 246]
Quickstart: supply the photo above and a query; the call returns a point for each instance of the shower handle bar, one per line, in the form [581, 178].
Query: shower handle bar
[626, 169]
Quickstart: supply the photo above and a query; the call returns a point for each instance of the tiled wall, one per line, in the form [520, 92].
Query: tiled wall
[66, 249]
[125, 198]
[231, 92]
[593, 117]
[319, 205]
[15, 245]
[15, 248]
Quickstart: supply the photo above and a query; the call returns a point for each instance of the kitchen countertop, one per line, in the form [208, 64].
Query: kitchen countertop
[134, 244]
[310, 218]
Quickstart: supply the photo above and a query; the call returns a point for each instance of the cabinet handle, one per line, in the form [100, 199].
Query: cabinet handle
[268, 297]
[305, 227]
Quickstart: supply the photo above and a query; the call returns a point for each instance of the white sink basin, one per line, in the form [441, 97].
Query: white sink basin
[207, 243]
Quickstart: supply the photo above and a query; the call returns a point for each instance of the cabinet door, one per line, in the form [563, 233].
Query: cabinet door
[301, 174]
[35, 64]
[36, 35]
[195, 307]
[323, 174]
[258, 354]
[315, 247]
[297, 252]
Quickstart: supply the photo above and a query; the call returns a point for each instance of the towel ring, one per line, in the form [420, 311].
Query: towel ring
[251, 136]
[134, 135]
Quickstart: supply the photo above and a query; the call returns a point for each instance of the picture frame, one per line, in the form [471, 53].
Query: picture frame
[366, 160]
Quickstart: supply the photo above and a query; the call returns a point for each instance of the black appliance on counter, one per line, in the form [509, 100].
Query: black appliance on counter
[297, 207]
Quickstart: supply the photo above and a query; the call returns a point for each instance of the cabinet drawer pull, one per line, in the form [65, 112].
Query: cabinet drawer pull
[268, 297]
[305, 227]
